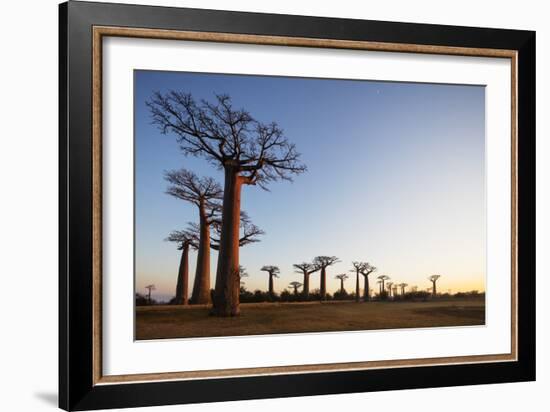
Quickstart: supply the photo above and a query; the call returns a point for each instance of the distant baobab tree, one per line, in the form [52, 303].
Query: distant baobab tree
[366, 270]
[273, 272]
[185, 240]
[342, 277]
[394, 290]
[306, 269]
[389, 286]
[403, 286]
[434, 279]
[379, 282]
[205, 193]
[295, 285]
[383, 279]
[323, 262]
[357, 269]
[248, 151]
[149, 289]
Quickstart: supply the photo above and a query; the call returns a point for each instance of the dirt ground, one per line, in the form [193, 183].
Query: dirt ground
[159, 322]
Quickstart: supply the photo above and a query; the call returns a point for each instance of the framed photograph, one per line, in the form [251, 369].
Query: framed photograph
[257, 205]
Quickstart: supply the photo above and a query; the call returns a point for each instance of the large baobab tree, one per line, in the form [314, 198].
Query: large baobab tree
[357, 268]
[306, 269]
[273, 272]
[185, 240]
[366, 270]
[205, 193]
[295, 285]
[403, 286]
[248, 151]
[323, 262]
[342, 277]
[434, 279]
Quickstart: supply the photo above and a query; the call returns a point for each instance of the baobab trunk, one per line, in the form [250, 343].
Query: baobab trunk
[357, 290]
[182, 287]
[306, 285]
[271, 286]
[323, 284]
[341, 285]
[434, 290]
[366, 295]
[201, 286]
[226, 294]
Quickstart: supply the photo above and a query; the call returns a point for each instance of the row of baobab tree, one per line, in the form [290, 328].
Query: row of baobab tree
[190, 238]
[387, 289]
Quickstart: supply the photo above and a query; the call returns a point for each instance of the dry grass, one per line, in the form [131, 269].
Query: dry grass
[157, 322]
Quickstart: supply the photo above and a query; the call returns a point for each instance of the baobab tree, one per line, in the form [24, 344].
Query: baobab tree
[434, 279]
[389, 286]
[249, 232]
[149, 289]
[342, 277]
[366, 270]
[248, 151]
[273, 272]
[185, 240]
[383, 279]
[357, 269]
[403, 286]
[379, 282]
[295, 285]
[323, 262]
[205, 193]
[306, 269]
[394, 290]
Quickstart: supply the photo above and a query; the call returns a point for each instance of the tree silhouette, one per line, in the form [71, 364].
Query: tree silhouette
[394, 290]
[323, 262]
[149, 289]
[306, 269]
[185, 240]
[242, 274]
[249, 152]
[205, 194]
[342, 278]
[434, 279]
[389, 286]
[295, 285]
[249, 232]
[379, 282]
[403, 286]
[366, 270]
[273, 272]
[383, 279]
[357, 269]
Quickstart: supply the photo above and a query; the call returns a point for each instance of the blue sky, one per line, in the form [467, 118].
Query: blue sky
[395, 177]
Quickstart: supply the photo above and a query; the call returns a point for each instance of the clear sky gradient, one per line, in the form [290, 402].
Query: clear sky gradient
[395, 177]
